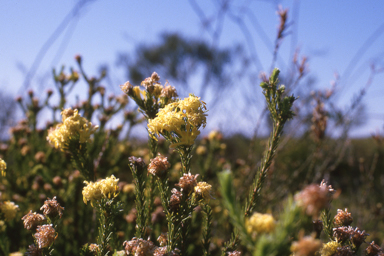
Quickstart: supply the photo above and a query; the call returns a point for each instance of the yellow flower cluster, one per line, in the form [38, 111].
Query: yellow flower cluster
[3, 166]
[73, 125]
[329, 248]
[95, 191]
[182, 118]
[260, 223]
[204, 190]
[9, 209]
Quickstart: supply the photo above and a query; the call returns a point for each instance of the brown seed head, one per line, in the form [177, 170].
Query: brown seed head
[343, 218]
[358, 237]
[373, 250]
[344, 251]
[32, 220]
[52, 208]
[158, 166]
[306, 246]
[163, 251]
[139, 247]
[187, 183]
[33, 251]
[342, 234]
[40, 157]
[137, 163]
[168, 92]
[45, 235]
[314, 198]
[155, 77]
[175, 200]
[127, 88]
[162, 239]
[93, 248]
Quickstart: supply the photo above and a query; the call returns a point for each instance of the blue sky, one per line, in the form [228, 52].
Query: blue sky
[329, 32]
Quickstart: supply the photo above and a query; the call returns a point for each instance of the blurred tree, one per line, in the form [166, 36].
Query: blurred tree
[183, 61]
[7, 114]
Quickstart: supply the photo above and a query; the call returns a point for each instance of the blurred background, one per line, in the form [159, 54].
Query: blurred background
[216, 49]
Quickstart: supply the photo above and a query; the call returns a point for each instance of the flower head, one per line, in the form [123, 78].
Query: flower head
[187, 183]
[94, 248]
[73, 126]
[343, 218]
[373, 250]
[139, 247]
[9, 209]
[33, 251]
[158, 166]
[32, 220]
[344, 251]
[260, 223]
[306, 246]
[342, 234]
[153, 97]
[3, 166]
[180, 121]
[203, 189]
[329, 248]
[105, 188]
[313, 199]
[52, 208]
[358, 237]
[175, 200]
[45, 235]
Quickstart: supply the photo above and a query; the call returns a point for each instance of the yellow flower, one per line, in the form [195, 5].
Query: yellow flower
[329, 248]
[181, 119]
[157, 90]
[105, 188]
[129, 188]
[260, 223]
[9, 210]
[213, 135]
[73, 126]
[16, 254]
[3, 166]
[204, 190]
[137, 92]
[201, 150]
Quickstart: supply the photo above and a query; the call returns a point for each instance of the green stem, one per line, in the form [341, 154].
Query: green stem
[207, 230]
[185, 157]
[140, 180]
[262, 174]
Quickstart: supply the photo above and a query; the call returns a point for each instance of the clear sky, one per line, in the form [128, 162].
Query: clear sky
[332, 33]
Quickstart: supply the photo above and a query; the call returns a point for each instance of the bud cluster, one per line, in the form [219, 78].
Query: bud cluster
[153, 97]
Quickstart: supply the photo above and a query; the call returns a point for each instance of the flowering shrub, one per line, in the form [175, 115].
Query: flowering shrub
[177, 195]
